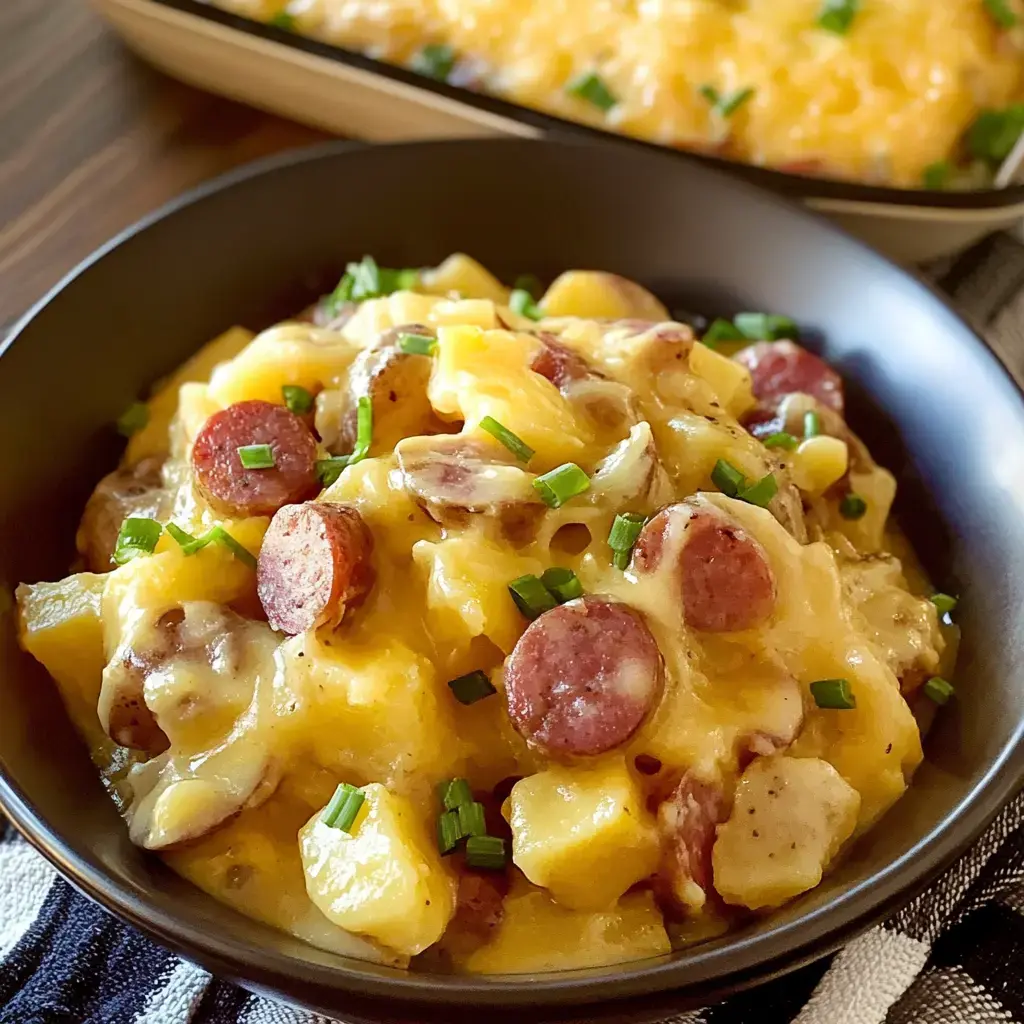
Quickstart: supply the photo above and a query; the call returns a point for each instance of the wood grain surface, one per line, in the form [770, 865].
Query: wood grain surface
[91, 139]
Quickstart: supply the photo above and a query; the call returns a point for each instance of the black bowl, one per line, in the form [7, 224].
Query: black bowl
[930, 399]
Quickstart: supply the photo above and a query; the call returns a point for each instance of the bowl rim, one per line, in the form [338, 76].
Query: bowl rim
[803, 186]
[710, 971]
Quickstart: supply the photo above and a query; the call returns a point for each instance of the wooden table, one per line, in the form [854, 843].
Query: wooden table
[91, 139]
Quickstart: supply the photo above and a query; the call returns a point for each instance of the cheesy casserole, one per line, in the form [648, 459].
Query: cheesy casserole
[451, 626]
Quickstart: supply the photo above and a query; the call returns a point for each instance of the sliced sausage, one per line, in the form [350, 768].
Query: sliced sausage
[479, 908]
[135, 491]
[314, 563]
[687, 823]
[725, 580]
[233, 490]
[583, 677]
[559, 364]
[780, 368]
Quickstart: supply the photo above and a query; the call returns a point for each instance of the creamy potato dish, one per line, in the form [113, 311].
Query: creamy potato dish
[503, 630]
[904, 92]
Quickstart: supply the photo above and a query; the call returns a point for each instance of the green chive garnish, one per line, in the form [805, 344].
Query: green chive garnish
[561, 484]
[995, 132]
[256, 456]
[455, 793]
[133, 419]
[760, 493]
[448, 831]
[417, 344]
[521, 302]
[589, 86]
[837, 15]
[178, 534]
[516, 445]
[344, 806]
[765, 326]
[812, 424]
[486, 852]
[1001, 12]
[833, 694]
[936, 176]
[532, 598]
[781, 440]
[852, 506]
[215, 535]
[365, 280]
[471, 819]
[297, 399]
[283, 20]
[726, 106]
[470, 688]
[435, 60]
[622, 536]
[563, 583]
[938, 690]
[944, 603]
[531, 284]
[328, 470]
[137, 536]
[722, 330]
[727, 478]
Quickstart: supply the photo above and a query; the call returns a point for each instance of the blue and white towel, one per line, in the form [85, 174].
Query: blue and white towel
[955, 955]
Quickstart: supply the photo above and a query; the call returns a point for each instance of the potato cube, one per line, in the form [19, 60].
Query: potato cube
[790, 817]
[463, 275]
[597, 295]
[583, 833]
[385, 879]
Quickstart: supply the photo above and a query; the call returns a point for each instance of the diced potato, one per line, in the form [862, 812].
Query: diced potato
[462, 274]
[152, 439]
[790, 817]
[818, 463]
[729, 380]
[474, 312]
[583, 833]
[596, 294]
[487, 373]
[290, 354]
[385, 879]
[195, 407]
[536, 934]
[690, 445]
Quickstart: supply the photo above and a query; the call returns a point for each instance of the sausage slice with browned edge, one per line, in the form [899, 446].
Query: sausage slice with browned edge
[314, 563]
[583, 677]
[780, 368]
[724, 578]
[233, 490]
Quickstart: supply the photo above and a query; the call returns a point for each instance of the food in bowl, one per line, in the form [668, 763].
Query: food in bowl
[449, 625]
[911, 94]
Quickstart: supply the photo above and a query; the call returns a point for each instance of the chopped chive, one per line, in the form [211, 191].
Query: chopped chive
[516, 445]
[366, 280]
[936, 176]
[944, 603]
[178, 534]
[812, 424]
[283, 20]
[455, 793]
[417, 344]
[726, 106]
[590, 86]
[833, 694]
[781, 440]
[529, 283]
[1001, 12]
[328, 470]
[486, 852]
[727, 478]
[625, 529]
[215, 535]
[563, 583]
[837, 15]
[470, 688]
[297, 399]
[532, 598]
[435, 60]
[448, 831]
[710, 93]
[765, 326]
[133, 419]
[722, 330]
[561, 484]
[852, 506]
[256, 456]
[137, 536]
[995, 132]
[521, 301]
[471, 819]
[760, 493]
[938, 690]
[344, 806]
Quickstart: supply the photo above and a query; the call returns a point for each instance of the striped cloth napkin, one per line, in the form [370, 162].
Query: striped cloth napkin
[955, 955]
